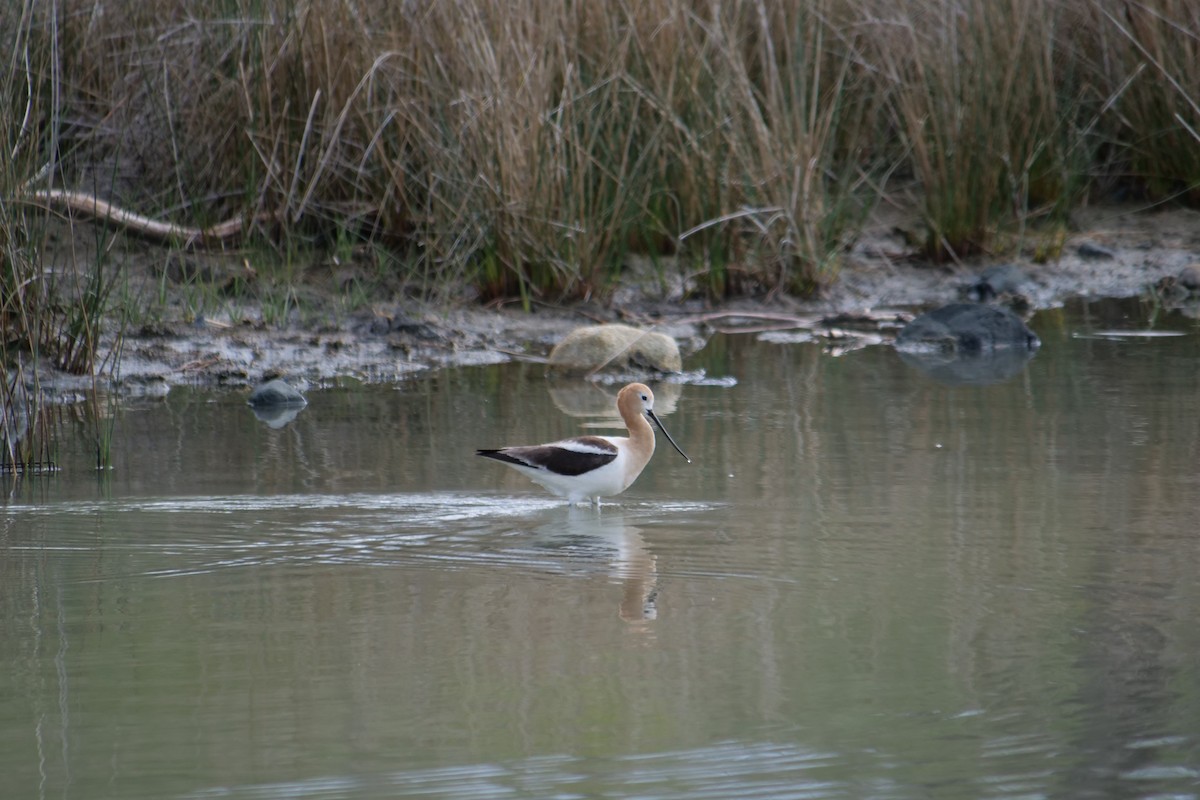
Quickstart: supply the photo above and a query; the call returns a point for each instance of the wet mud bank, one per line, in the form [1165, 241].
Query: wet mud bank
[1114, 254]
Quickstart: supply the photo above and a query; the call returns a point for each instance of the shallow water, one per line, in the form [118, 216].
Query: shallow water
[868, 584]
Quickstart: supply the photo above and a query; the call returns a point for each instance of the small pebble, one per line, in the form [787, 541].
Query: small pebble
[1093, 251]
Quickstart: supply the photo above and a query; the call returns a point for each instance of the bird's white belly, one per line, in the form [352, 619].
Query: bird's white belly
[605, 481]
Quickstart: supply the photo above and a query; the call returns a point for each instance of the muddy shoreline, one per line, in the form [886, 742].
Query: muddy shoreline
[1110, 253]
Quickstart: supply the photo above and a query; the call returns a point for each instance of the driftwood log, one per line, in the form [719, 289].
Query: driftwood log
[157, 230]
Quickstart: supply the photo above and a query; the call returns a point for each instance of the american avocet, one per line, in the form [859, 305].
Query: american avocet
[591, 467]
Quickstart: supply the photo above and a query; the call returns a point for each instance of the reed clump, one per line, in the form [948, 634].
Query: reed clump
[1152, 50]
[526, 149]
[975, 102]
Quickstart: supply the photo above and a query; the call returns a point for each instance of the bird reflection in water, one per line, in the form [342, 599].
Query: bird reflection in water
[593, 538]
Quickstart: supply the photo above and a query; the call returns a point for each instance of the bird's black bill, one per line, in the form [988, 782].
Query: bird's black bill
[658, 422]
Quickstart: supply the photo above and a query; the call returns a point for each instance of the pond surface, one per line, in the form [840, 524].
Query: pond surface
[867, 584]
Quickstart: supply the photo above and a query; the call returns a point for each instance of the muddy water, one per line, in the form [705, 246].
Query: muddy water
[868, 584]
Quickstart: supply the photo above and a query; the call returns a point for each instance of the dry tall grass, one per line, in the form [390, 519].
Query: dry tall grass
[977, 105]
[525, 148]
[50, 314]
[1152, 51]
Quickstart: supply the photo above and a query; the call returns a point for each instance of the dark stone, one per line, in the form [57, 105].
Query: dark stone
[389, 321]
[994, 282]
[1094, 252]
[276, 393]
[967, 328]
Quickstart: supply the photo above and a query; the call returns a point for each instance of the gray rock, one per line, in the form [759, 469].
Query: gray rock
[967, 328]
[616, 347]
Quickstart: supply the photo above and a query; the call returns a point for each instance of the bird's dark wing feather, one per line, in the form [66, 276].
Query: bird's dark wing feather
[570, 457]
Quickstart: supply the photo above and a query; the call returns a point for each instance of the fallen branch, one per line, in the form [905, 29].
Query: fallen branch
[157, 230]
[806, 321]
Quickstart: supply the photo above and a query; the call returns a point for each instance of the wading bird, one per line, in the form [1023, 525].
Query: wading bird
[591, 467]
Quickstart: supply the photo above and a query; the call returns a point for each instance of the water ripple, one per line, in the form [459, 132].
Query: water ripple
[182, 536]
[727, 770]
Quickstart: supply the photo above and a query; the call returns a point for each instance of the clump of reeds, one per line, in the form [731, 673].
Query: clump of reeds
[51, 311]
[772, 139]
[1148, 59]
[48, 311]
[522, 148]
[526, 148]
[976, 102]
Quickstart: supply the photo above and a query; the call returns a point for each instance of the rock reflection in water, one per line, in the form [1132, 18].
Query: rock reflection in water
[276, 416]
[978, 369]
[583, 399]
